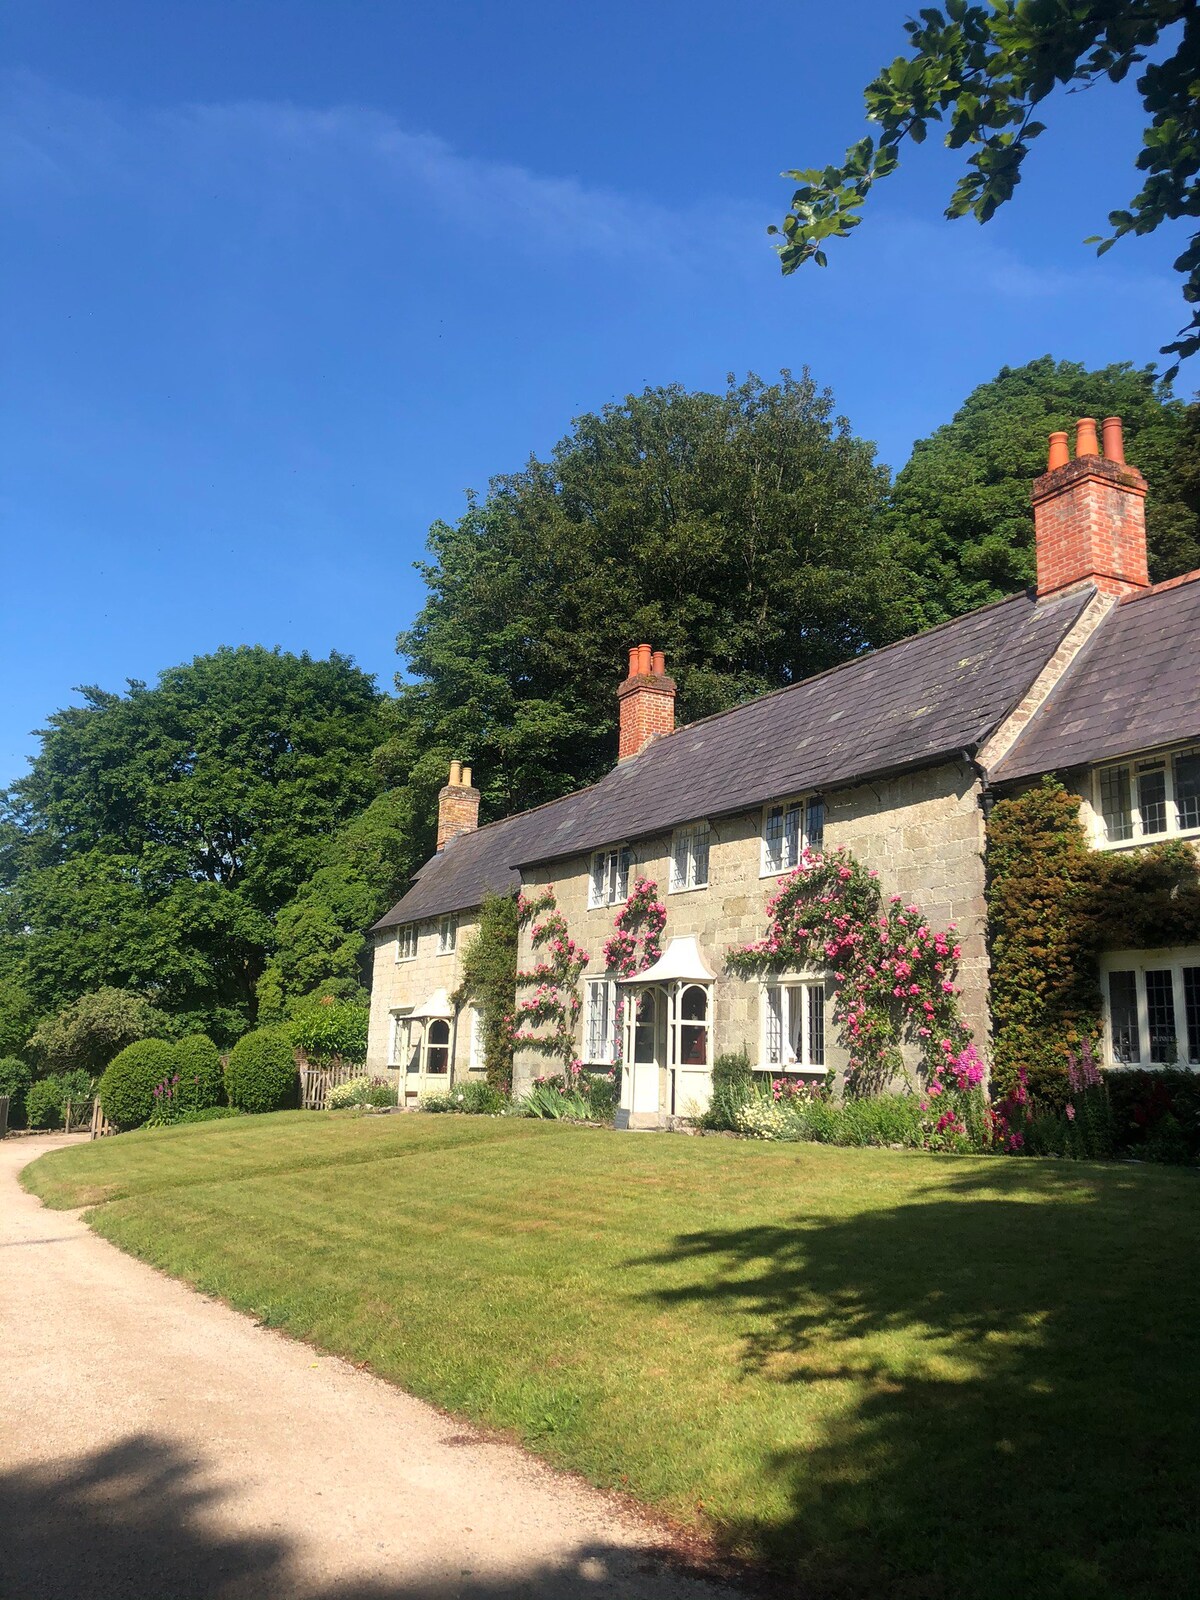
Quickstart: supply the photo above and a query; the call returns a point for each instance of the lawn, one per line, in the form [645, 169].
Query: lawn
[882, 1372]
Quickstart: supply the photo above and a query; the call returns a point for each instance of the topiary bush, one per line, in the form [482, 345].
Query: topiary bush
[261, 1075]
[201, 1077]
[127, 1087]
[15, 1078]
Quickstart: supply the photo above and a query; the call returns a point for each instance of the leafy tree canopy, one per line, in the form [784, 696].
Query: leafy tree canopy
[88, 1033]
[982, 70]
[736, 531]
[961, 521]
[160, 831]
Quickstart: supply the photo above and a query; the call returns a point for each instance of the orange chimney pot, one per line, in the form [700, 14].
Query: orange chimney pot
[1059, 454]
[1114, 440]
[1086, 442]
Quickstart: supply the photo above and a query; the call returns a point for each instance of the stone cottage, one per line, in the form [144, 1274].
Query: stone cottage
[896, 756]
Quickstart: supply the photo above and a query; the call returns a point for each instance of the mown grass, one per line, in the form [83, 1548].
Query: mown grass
[880, 1372]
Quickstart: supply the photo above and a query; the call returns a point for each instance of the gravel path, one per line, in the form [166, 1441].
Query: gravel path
[155, 1445]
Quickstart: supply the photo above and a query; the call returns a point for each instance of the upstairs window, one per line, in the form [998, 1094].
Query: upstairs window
[794, 1026]
[609, 881]
[789, 828]
[447, 935]
[1150, 799]
[406, 942]
[600, 1022]
[689, 857]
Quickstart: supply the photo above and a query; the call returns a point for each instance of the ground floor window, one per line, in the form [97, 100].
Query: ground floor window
[794, 1025]
[600, 1022]
[1152, 1008]
[398, 1036]
[437, 1046]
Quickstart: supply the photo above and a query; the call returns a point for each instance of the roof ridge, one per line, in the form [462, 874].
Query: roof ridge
[1158, 588]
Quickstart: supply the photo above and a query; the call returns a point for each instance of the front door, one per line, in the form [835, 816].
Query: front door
[645, 1038]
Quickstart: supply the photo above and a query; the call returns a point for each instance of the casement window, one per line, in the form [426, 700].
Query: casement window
[609, 881]
[789, 828]
[1150, 799]
[689, 857]
[600, 1022]
[1152, 1008]
[794, 1026]
[406, 942]
[447, 935]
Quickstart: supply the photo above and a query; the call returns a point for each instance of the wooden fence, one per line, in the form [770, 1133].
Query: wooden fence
[316, 1082]
[101, 1126]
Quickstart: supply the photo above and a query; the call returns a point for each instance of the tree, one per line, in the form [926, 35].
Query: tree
[961, 523]
[983, 69]
[87, 1034]
[736, 531]
[160, 831]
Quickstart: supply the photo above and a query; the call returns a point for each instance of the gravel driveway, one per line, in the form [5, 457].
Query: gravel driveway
[155, 1445]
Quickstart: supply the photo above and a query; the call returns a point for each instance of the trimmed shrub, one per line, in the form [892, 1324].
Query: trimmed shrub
[15, 1078]
[732, 1088]
[261, 1075]
[1156, 1114]
[201, 1079]
[330, 1030]
[127, 1087]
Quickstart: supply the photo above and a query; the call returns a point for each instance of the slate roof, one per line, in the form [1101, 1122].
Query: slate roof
[908, 705]
[1135, 685]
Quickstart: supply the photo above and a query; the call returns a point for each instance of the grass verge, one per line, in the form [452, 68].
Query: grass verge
[876, 1371]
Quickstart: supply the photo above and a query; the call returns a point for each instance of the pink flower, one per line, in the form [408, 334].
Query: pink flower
[1070, 1112]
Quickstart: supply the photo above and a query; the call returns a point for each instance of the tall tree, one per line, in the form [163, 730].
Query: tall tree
[160, 831]
[961, 522]
[736, 531]
[983, 69]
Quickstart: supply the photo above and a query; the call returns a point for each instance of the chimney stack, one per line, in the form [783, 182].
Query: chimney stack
[458, 806]
[646, 700]
[1090, 515]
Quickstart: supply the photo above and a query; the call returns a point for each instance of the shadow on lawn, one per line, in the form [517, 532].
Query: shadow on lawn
[136, 1522]
[1005, 1377]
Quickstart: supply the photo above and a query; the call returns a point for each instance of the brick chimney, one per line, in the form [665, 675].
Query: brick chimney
[647, 701]
[1090, 515]
[458, 806]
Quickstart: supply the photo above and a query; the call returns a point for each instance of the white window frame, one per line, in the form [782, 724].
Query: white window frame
[608, 876]
[447, 934]
[790, 991]
[406, 942]
[600, 1043]
[1132, 765]
[693, 845]
[801, 807]
[475, 1057]
[1187, 1026]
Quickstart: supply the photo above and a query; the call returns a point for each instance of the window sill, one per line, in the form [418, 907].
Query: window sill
[795, 1070]
[692, 888]
[1185, 836]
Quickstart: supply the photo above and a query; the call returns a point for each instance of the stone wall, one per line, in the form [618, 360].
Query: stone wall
[396, 984]
[923, 833]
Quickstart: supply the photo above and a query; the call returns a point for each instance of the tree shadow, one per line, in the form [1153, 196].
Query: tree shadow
[135, 1521]
[1001, 1385]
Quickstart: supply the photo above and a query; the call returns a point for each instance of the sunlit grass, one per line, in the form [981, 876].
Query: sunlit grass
[880, 1371]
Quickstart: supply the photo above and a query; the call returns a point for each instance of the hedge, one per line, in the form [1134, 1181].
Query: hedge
[127, 1087]
[261, 1075]
[15, 1078]
[201, 1078]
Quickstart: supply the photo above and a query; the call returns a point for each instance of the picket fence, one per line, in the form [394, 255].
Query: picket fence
[316, 1082]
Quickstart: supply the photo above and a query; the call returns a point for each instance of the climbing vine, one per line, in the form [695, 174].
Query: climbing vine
[554, 1001]
[489, 976]
[635, 943]
[1053, 905]
[894, 973]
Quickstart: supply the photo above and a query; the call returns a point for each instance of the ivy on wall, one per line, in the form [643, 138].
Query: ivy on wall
[489, 983]
[1054, 905]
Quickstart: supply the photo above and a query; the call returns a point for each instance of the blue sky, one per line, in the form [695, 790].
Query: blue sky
[283, 278]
